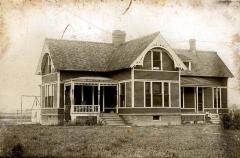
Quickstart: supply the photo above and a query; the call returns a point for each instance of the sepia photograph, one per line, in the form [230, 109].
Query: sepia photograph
[120, 78]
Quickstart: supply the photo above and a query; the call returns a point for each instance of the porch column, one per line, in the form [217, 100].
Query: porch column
[103, 99]
[72, 97]
[93, 99]
[99, 97]
[117, 100]
[197, 98]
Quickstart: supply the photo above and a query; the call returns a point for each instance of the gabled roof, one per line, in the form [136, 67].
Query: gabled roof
[94, 56]
[204, 63]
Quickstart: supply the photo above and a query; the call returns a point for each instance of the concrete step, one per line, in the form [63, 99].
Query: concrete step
[112, 119]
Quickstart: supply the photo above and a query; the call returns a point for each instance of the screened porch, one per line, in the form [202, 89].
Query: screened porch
[88, 98]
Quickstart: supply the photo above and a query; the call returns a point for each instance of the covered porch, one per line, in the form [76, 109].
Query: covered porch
[89, 96]
[201, 95]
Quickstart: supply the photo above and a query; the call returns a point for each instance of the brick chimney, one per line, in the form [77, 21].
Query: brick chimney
[118, 37]
[192, 45]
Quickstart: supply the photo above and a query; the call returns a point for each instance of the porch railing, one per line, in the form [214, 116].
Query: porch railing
[86, 108]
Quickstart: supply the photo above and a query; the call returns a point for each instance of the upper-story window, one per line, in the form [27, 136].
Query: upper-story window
[158, 59]
[188, 65]
[47, 65]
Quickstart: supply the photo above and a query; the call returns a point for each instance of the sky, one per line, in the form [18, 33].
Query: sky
[25, 24]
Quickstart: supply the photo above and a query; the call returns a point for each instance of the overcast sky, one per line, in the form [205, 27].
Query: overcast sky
[25, 24]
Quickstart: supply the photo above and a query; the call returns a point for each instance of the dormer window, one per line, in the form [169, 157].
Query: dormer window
[188, 65]
[157, 62]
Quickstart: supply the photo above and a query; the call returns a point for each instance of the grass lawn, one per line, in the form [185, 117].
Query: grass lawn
[105, 141]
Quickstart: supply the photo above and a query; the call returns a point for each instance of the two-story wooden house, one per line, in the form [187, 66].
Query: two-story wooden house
[144, 81]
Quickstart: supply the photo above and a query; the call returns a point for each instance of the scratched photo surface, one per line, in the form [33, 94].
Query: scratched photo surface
[24, 26]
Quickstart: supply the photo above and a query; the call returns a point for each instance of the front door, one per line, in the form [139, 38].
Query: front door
[108, 99]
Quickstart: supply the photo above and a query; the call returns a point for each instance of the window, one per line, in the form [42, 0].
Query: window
[217, 97]
[157, 94]
[188, 65]
[49, 95]
[147, 94]
[122, 94]
[166, 94]
[156, 61]
[160, 94]
[156, 117]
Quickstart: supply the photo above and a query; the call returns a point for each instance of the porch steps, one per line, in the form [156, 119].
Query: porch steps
[214, 118]
[112, 119]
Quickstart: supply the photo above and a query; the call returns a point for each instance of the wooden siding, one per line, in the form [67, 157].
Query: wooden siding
[208, 98]
[138, 94]
[190, 81]
[167, 62]
[174, 94]
[120, 75]
[187, 110]
[66, 75]
[148, 110]
[50, 78]
[147, 62]
[51, 111]
[189, 97]
[128, 95]
[156, 75]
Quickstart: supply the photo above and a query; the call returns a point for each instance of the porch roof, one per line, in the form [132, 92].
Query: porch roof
[200, 81]
[92, 79]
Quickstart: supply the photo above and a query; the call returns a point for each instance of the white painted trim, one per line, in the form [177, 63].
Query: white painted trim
[144, 94]
[195, 100]
[203, 99]
[159, 42]
[151, 94]
[123, 81]
[163, 95]
[151, 80]
[58, 90]
[92, 95]
[99, 95]
[117, 106]
[179, 89]
[220, 97]
[149, 107]
[154, 70]
[213, 97]
[125, 98]
[103, 98]
[183, 98]
[188, 108]
[169, 95]
[217, 98]
[49, 74]
[161, 61]
[151, 52]
[132, 87]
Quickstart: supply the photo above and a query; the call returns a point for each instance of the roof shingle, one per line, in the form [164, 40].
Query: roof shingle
[204, 63]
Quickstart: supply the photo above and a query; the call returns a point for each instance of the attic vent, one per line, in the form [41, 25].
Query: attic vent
[118, 37]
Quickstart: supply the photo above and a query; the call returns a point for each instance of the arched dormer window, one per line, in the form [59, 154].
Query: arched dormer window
[47, 65]
[158, 59]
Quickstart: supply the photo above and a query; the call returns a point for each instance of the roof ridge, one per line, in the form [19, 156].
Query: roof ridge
[66, 40]
[199, 51]
[143, 37]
